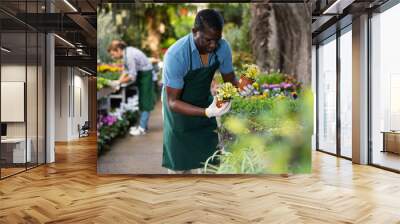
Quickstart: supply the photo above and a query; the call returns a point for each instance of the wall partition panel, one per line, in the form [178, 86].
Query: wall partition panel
[327, 95]
[15, 149]
[41, 8]
[32, 97]
[41, 99]
[346, 92]
[22, 76]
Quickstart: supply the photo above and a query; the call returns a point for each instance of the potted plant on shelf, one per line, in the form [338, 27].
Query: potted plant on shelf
[102, 82]
[248, 76]
[225, 93]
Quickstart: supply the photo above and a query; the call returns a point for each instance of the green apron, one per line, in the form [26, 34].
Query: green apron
[144, 82]
[146, 90]
[190, 140]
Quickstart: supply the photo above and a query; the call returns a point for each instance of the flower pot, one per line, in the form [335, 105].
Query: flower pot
[220, 102]
[244, 81]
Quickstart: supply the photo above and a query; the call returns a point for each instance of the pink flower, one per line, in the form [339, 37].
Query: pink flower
[109, 120]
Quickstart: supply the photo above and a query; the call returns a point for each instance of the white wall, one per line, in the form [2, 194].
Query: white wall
[71, 102]
[61, 103]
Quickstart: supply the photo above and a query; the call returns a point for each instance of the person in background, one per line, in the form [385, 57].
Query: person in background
[137, 68]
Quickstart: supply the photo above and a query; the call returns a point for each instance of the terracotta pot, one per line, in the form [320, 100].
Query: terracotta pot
[244, 81]
[220, 102]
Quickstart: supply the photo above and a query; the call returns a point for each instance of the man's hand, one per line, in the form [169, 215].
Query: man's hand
[115, 84]
[214, 111]
[124, 78]
[230, 77]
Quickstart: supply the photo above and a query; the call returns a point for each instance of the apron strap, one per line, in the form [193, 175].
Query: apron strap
[190, 54]
[216, 56]
[125, 60]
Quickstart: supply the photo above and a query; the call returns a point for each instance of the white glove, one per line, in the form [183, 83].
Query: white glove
[214, 111]
[247, 90]
[115, 84]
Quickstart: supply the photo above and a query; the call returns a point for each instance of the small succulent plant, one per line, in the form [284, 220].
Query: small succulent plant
[226, 92]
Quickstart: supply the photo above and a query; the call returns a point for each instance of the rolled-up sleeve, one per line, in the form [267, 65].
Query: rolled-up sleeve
[173, 72]
[130, 66]
[226, 65]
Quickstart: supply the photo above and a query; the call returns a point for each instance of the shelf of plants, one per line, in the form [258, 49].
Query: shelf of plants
[106, 73]
[116, 123]
[268, 131]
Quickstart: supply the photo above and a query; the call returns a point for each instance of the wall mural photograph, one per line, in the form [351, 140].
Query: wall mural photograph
[204, 88]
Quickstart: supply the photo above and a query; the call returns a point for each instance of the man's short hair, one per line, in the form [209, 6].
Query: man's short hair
[116, 44]
[208, 18]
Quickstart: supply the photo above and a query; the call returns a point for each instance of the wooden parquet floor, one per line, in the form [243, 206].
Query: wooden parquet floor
[70, 191]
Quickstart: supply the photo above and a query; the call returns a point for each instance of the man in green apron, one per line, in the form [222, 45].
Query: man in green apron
[137, 67]
[189, 132]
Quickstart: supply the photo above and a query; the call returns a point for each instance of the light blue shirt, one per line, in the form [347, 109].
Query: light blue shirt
[177, 60]
[135, 60]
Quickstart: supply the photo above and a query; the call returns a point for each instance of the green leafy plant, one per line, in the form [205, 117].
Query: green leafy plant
[273, 138]
[270, 78]
[102, 82]
[109, 75]
[108, 132]
[168, 42]
[250, 106]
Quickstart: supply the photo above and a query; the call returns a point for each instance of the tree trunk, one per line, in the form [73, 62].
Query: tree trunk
[281, 38]
[153, 36]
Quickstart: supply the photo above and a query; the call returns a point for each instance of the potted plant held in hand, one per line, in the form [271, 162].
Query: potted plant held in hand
[225, 93]
[248, 76]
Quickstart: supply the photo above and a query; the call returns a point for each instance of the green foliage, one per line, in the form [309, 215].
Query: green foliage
[182, 24]
[250, 106]
[102, 82]
[273, 138]
[109, 75]
[237, 24]
[133, 23]
[240, 58]
[232, 12]
[270, 78]
[108, 133]
[106, 32]
[168, 42]
[237, 32]
[234, 36]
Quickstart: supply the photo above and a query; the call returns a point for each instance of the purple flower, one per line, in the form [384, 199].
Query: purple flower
[109, 120]
[274, 86]
[286, 85]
